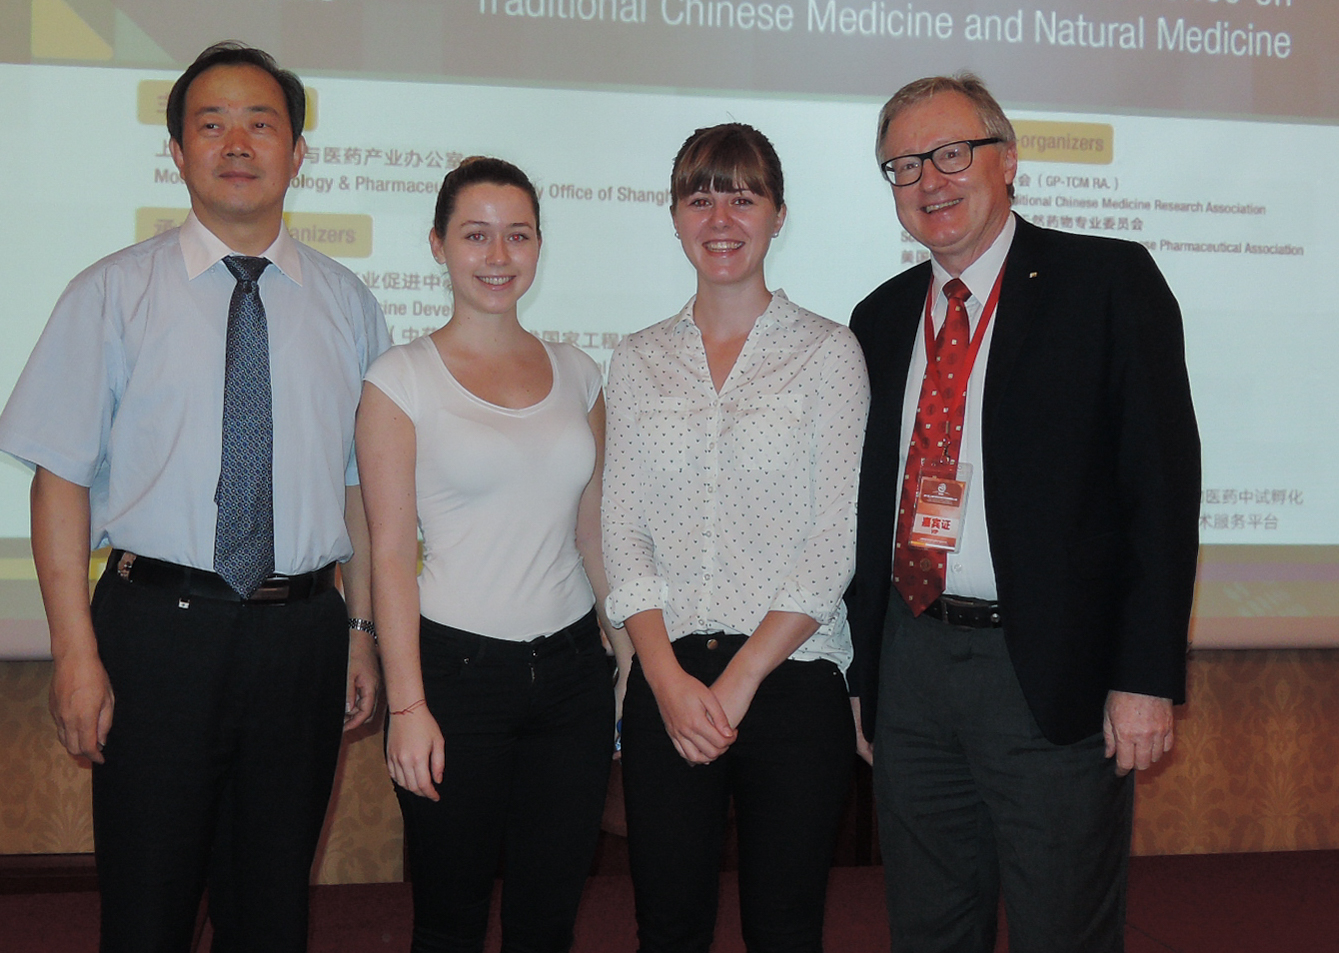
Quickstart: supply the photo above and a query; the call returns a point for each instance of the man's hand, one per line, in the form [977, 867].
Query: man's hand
[360, 697]
[81, 704]
[81, 698]
[863, 747]
[1137, 729]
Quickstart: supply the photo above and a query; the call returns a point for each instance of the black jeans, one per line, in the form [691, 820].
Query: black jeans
[529, 729]
[219, 765]
[974, 801]
[788, 773]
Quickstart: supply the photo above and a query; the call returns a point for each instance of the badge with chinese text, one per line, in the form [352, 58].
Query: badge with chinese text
[941, 506]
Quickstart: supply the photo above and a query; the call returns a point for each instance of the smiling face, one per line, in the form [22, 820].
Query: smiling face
[726, 234]
[237, 153]
[490, 247]
[956, 216]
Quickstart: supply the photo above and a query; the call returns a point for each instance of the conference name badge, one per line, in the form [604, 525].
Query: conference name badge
[941, 507]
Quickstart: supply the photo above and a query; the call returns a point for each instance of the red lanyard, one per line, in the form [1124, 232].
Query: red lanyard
[986, 315]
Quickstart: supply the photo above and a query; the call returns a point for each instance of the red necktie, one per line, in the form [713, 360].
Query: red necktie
[918, 574]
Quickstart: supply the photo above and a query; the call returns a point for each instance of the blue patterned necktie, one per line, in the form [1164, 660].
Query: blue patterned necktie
[244, 536]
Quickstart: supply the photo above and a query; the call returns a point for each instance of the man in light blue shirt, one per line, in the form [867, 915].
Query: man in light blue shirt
[212, 713]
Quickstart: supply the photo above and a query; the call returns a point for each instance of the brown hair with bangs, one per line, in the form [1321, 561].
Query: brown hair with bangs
[727, 158]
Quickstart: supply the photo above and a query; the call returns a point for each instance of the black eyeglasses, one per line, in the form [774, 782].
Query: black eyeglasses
[950, 158]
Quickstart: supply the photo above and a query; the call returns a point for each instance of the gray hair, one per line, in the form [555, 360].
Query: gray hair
[965, 83]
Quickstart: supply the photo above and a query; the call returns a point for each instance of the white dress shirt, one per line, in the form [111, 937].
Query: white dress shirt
[722, 507]
[124, 394]
[970, 571]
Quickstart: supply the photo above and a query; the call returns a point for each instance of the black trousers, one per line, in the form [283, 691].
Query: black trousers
[788, 773]
[529, 729]
[972, 799]
[219, 765]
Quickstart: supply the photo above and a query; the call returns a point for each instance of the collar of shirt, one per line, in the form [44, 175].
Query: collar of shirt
[202, 249]
[779, 311]
[979, 277]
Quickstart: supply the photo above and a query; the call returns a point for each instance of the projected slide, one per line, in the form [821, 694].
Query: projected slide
[1205, 129]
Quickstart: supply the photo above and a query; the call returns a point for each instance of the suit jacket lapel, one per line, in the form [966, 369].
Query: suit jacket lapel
[903, 336]
[1023, 279]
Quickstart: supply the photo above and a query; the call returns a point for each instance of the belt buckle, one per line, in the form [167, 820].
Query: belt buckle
[272, 590]
[951, 611]
[959, 612]
[970, 613]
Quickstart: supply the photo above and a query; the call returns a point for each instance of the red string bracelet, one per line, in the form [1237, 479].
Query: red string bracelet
[405, 711]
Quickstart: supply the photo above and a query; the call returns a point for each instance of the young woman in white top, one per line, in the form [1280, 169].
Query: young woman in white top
[735, 431]
[501, 719]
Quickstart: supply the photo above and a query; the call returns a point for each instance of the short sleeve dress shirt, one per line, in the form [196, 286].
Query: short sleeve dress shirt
[721, 507]
[124, 394]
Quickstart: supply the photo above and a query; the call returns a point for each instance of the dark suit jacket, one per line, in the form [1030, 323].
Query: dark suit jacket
[1091, 470]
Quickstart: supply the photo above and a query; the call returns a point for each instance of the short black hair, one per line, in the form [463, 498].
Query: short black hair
[233, 53]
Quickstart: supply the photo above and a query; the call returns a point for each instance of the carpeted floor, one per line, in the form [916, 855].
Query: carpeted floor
[1221, 903]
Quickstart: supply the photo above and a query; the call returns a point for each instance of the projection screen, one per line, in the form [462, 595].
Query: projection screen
[1205, 129]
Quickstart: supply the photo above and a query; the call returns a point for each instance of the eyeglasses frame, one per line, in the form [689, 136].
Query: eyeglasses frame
[885, 166]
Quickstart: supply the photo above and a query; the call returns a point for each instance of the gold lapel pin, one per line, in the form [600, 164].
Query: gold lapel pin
[1032, 275]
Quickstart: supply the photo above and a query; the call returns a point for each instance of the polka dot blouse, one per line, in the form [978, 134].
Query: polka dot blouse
[719, 508]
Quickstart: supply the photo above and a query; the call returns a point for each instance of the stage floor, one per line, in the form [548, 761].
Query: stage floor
[1203, 903]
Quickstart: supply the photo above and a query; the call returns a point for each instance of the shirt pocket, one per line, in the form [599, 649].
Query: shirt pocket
[767, 432]
[665, 430]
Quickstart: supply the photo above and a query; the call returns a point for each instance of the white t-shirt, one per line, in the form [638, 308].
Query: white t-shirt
[497, 492]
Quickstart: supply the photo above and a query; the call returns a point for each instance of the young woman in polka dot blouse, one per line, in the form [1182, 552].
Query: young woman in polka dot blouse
[735, 431]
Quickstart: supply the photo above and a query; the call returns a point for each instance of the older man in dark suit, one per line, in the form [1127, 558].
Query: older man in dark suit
[1027, 545]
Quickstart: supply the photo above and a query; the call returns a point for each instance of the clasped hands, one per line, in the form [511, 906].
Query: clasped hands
[702, 721]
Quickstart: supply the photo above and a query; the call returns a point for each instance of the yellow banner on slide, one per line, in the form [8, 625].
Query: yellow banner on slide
[151, 103]
[339, 236]
[1091, 143]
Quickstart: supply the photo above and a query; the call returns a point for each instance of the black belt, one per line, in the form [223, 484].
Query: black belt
[967, 613]
[187, 581]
